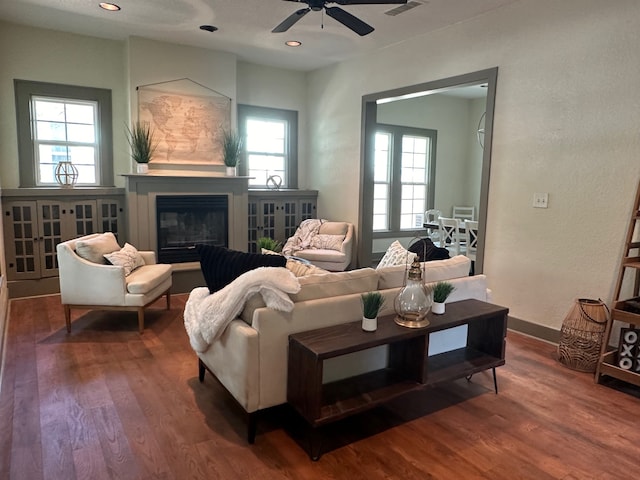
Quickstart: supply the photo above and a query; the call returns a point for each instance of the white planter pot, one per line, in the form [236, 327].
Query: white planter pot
[231, 171]
[437, 308]
[369, 324]
[142, 167]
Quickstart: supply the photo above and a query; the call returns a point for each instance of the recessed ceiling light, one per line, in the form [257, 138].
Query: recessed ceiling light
[293, 43]
[208, 28]
[112, 7]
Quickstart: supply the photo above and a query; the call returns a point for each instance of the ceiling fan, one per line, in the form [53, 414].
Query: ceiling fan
[336, 13]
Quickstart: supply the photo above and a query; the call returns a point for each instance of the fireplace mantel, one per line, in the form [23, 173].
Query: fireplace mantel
[142, 190]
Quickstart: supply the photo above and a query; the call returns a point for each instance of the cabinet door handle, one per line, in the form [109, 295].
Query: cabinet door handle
[71, 211]
[64, 210]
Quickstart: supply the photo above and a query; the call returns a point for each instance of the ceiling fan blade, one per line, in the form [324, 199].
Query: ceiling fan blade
[291, 20]
[365, 2]
[349, 21]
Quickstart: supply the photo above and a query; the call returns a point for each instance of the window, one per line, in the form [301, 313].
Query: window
[271, 145]
[63, 123]
[64, 130]
[403, 177]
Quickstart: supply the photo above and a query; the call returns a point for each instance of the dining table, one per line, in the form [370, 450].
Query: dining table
[436, 226]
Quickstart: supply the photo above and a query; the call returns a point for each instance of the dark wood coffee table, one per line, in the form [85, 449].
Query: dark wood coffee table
[409, 368]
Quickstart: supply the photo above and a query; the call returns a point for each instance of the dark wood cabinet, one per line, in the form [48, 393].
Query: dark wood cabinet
[409, 366]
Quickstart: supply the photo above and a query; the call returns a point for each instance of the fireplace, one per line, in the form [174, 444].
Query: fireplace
[182, 221]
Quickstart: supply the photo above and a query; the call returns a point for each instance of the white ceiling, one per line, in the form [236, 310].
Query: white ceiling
[245, 25]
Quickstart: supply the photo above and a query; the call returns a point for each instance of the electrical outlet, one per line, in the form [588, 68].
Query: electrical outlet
[540, 200]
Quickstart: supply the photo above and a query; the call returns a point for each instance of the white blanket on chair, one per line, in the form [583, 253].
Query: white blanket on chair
[303, 236]
[207, 315]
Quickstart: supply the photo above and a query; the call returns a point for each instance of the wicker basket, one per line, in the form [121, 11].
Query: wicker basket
[582, 333]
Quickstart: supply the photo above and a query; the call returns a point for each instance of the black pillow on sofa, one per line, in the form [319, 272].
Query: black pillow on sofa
[221, 266]
[427, 251]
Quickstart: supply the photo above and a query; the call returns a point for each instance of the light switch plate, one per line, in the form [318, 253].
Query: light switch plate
[540, 200]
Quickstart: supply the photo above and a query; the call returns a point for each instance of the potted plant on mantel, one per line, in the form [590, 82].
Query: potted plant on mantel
[372, 302]
[143, 145]
[231, 150]
[441, 292]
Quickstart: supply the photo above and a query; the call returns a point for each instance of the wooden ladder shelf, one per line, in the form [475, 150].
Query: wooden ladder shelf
[609, 363]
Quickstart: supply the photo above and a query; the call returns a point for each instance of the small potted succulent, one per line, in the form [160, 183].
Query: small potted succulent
[266, 243]
[372, 302]
[143, 144]
[441, 292]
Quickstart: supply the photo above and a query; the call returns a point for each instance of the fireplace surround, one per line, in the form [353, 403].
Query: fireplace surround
[145, 190]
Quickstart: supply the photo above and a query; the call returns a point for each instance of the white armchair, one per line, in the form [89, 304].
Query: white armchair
[90, 285]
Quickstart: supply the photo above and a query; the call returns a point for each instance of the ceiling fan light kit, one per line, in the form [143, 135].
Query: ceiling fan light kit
[337, 13]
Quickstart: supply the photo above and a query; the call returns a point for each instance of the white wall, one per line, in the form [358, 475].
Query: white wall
[262, 86]
[566, 123]
[49, 56]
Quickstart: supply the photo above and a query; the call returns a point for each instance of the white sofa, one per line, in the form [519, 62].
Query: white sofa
[250, 357]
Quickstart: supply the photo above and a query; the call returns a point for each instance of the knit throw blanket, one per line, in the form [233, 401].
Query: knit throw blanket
[301, 240]
[207, 315]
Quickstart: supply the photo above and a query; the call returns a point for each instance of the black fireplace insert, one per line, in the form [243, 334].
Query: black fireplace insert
[186, 220]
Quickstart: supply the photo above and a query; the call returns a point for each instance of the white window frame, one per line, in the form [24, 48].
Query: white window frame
[37, 142]
[394, 207]
[290, 154]
[25, 91]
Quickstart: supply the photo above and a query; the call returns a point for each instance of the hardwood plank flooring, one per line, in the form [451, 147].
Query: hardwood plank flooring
[107, 403]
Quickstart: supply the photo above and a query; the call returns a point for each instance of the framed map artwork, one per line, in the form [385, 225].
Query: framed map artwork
[187, 120]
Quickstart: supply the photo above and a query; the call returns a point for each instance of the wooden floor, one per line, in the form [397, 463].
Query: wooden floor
[105, 402]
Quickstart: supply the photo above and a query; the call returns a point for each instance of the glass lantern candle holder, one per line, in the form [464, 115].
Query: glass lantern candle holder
[414, 300]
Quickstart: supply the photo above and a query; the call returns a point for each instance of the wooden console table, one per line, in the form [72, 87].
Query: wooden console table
[409, 367]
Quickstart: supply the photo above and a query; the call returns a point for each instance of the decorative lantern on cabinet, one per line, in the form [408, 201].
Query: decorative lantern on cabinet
[414, 300]
[66, 174]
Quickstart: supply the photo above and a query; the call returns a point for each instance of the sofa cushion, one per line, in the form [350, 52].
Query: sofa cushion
[127, 257]
[322, 255]
[94, 249]
[327, 242]
[335, 284]
[144, 279]
[220, 266]
[396, 254]
[333, 228]
[434, 271]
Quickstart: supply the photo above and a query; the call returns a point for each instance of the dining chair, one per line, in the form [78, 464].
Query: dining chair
[450, 235]
[471, 239]
[464, 213]
[431, 216]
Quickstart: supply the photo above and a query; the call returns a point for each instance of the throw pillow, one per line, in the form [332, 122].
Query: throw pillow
[93, 249]
[396, 254]
[327, 242]
[221, 266]
[300, 269]
[427, 251]
[128, 257]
